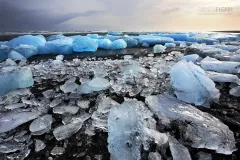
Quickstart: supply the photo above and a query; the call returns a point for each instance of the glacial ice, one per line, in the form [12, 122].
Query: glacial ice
[16, 56]
[191, 57]
[132, 69]
[84, 44]
[229, 48]
[235, 91]
[65, 109]
[4, 51]
[104, 43]
[145, 45]
[26, 50]
[15, 118]
[10, 146]
[60, 57]
[68, 87]
[67, 130]
[127, 124]
[223, 77]
[220, 66]
[57, 151]
[41, 123]
[159, 48]
[12, 77]
[131, 42]
[39, 145]
[55, 37]
[59, 46]
[30, 40]
[170, 45]
[179, 152]
[198, 129]
[192, 85]
[118, 44]
[115, 33]
[93, 36]
[95, 85]
[154, 156]
[175, 36]
[153, 40]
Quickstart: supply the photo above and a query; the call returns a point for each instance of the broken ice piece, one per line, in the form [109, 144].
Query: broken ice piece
[159, 49]
[57, 151]
[198, 129]
[10, 146]
[41, 123]
[179, 152]
[223, 77]
[192, 57]
[221, 66]
[132, 69]
[154, 156]
[235, 91]
[16, 56]
[96, 84]
[14, 77]
[204, 156]
[66, 109]
[60, 57]
[15, 118]
[14, 106]
[83, 104]
[68, 87]
[39, 145]
[55, 102]
[192, 85]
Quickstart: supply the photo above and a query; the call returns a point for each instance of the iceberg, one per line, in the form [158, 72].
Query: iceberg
[131, 42]
[175, 36]
[84, 44]
[4, 51]
[26, 50]
[115, 33]
[229, 48]
[93, 36]
[198, 129]
[12, 78]
[119, 44]
[192, 85]
[16, 56]
[235, 91]
[170, 45]
[55, 37]
[104, 43]
[159, 49]
[30, 40]
[60, 46]
[153, 40]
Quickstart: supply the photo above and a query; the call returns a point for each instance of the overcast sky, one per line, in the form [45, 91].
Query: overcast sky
[129, 15]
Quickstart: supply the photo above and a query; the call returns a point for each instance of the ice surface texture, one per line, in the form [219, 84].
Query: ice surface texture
[84, 44]
[192, 85]
[200, 130]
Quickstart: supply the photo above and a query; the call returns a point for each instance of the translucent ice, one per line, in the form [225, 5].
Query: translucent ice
[57, 151]
[179, 152]
[154, 156]
[131, 42]
[84, 44]
[220, 66]
[119, 44]
[153, 40]
[60, 57]
[16, 56]
[192, 57]
[96, 84]
[15, 118]
[4, 51]
[13, 78]
[41, 123]
[200, 130]
[66, 109]
[229, 48]
[35, 41]
[115, 33]
[26, 50]
[170, 45]
[159, 48]
[104, 43]
[60, 46]
[10, 146]
[39, 145]
[223, 77]
[192, 85]
[55, 37]
[235, 91]
[68, 87]
[93, 36]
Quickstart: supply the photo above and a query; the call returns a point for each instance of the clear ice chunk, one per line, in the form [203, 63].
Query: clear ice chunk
[65, 109]
[41, 123]
[170, 45]
[26, 50]
[235, 91]
[200, 129]
[39, 145]
[16, 56]
[14, 77]
[57, 151]
[84, 44]
[118, 44]
[159, 49]
[15, 118]
[179, 152]
[192, 57]
[35, 41]
[192, 84]
[154, 156]
[223, 77]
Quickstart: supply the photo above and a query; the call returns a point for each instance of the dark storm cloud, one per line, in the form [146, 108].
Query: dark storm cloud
[16, 16]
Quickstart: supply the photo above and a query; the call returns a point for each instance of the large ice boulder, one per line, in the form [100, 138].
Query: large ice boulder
[35, 41]
[26, 50]
[192, 85]
[131, 42]
[119, 44]
[84, 44]
[16, 56]
[55, 37]
[175, 36]
[4, 51]
[12, 77]
[153, 40]
[115, 33]
[159, 48]
[93, 36]
[60, 46]
[197, 129]
[229, 48]
[104, 43]
[170, 45]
